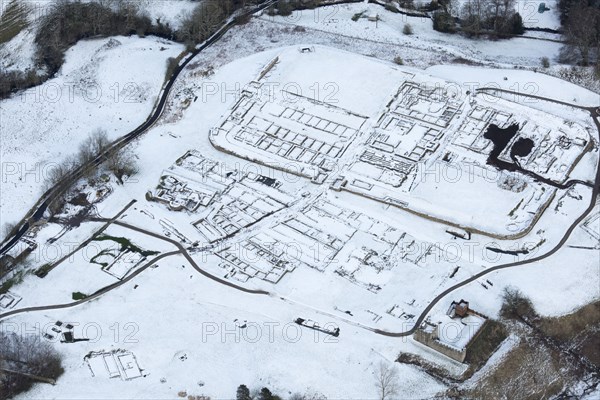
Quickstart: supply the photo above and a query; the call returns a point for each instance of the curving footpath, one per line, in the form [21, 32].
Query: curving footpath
[595, 114]
[37, 211]
[595, 190]
[92, 296]
[187, 256]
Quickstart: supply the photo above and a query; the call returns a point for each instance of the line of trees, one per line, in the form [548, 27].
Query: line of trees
[580, 20]
[67, 22]
[495, 18]
[581, 25]
[120, 163]
[11, 81]
[243, 393]
[205, 20]
[25, 360]
[286, 7]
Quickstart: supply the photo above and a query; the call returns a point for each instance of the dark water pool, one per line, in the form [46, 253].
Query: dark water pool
[500, 137]
[522, 147]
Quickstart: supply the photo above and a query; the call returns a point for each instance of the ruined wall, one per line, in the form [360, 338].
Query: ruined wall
[428, 340]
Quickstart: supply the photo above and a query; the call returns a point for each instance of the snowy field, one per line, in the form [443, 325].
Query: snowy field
[328, 25]
[172, 12]
[212, 328]
[259, 220]
[200, 348]
[525, 82]
[19, 53]
[109, 84]
[338, 19]
[529, 11]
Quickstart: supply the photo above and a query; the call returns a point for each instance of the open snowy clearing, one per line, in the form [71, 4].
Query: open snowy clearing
[110, 84]
[261, 215]
[360, 263]
[261, 34]
[194, 348]
[338, 19]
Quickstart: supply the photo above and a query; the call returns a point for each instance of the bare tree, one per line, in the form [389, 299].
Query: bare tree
[583, 31]
[515, 305]
[96, 143]
[499, 13]
[93, 145]
[473, 16]
[8, 229]
[121, 163]
[24, 360]
[386, 380]
[203, 21]
[451, 7]
[55, 180]
[58, 171]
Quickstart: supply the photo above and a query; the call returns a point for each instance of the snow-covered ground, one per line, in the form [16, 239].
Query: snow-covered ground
[172, 12]
[529, 11]
[23, 45]
[338, 19]
[19, 53]
[556, 286]
[200, 349]
[328, 25]
[185, 330]
[532, 18]
[521, 81]
[203, 335]
[109, 84]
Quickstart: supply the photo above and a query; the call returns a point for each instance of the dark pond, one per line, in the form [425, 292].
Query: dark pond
[522, 147]
[500, 138]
